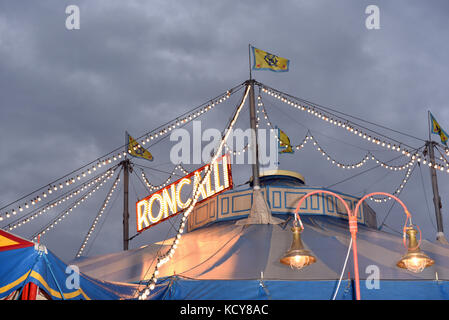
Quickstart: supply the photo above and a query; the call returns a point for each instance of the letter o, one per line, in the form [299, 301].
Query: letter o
[161, 212]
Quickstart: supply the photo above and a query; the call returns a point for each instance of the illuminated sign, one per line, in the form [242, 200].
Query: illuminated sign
[168, 202]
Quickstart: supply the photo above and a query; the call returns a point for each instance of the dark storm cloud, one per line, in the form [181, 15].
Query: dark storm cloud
[67, 97]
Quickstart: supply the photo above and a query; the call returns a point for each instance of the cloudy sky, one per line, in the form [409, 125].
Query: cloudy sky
[68, 96]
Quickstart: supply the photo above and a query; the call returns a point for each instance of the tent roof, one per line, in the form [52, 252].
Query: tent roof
[23, 261]
[226, 251]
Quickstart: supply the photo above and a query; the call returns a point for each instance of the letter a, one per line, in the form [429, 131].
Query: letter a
[73, 20]
[373, 20]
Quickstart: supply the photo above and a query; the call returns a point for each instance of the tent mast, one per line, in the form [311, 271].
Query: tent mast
[254, 143]
[126, 168]
[436, 195]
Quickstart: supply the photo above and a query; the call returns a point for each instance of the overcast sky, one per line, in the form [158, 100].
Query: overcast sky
[67, 96]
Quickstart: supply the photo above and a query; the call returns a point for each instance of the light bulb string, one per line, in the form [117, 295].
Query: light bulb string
[336, 162]
[170, 252]
[57, 201]
[399, 189]
[58, 184]
[309, 135]
[74, 204]
[103, 160]
[442, 157]
[311, 107]
[100, 212]
[166, 182]
[236, 152]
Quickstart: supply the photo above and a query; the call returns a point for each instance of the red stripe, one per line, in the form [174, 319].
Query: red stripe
[22, 243]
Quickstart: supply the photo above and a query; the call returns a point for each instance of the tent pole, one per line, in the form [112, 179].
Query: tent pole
[254, 142]
[436, 195]
[125, 165]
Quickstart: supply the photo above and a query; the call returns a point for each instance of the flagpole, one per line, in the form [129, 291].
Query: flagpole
[428, 122]
[126, 165]
[249, 58]
[436, 195]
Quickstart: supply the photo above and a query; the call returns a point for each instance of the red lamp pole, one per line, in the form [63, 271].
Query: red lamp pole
[352, 215]
[352, 228]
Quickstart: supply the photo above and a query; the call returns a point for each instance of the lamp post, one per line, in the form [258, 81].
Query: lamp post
[414, 260]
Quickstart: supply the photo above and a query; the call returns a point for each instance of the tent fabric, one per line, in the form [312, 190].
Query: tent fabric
[38, 265]
[178, 288]
[226, 251]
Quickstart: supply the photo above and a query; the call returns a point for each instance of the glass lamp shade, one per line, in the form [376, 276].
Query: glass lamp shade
[414, 260]
[297, 257]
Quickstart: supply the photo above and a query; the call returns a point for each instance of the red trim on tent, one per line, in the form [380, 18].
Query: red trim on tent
[21, 243]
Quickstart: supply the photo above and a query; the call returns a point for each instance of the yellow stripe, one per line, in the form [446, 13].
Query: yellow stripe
[39, 278]
[14, 283]
[56, 293]
[5, 242]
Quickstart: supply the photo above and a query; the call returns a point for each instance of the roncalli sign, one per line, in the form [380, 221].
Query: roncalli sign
[168, 202]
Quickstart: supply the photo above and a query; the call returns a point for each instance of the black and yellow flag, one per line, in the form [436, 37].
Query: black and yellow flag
[284, 142]
[136, 150]
[437, 130]
[268, 61]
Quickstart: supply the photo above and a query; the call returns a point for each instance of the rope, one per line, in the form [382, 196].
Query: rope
[343, 270]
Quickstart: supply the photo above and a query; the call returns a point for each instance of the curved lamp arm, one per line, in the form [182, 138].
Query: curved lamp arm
[348, 210]
[407, 213]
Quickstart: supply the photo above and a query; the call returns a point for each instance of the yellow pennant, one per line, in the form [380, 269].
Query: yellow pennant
[436, 129]
[267, 61]
[136, 150]
[284, 143]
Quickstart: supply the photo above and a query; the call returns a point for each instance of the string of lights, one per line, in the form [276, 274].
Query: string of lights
[309, 136]
[328, 157]
[235, 152]
[98, 216]
[443, 158]
[359, 132]
[164, 184]
[66, 212]
[185, 118]
[164, 258]
[337, 163]
[55, 202]
[398, 189]
[54, 187]
[43, 192]
[338, 121]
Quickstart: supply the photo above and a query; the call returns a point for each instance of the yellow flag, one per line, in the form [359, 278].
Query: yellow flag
[267, 61]
[284, 143]
[438, 130]
[136, 150]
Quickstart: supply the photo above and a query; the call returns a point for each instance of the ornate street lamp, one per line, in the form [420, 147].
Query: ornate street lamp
[298, 257]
